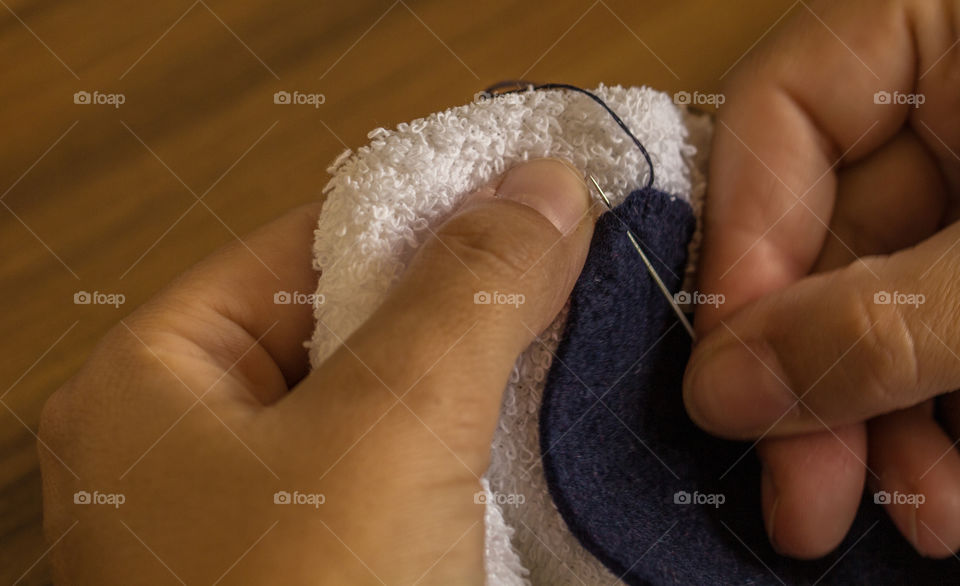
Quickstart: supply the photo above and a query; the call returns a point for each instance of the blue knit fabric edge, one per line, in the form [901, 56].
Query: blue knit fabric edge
[614, 467]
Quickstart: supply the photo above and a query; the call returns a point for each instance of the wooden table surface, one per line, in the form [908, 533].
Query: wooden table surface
[103, 198]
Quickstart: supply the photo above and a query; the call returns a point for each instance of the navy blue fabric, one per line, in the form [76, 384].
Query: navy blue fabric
[617, 445]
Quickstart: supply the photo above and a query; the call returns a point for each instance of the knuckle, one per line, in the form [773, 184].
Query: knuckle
[52, 419]
[63, 416]
[882, 343]
[75, 415]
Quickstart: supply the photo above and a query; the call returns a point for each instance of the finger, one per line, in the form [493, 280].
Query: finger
[874, 337]
[786, 126]
[445, 340]
[873, 215]
[785, 253]
[811, 489]
[227, 308]
[758, 237]
[938, 59]
[812, 483]
[919, 474]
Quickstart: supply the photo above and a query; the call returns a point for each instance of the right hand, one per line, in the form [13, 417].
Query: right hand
[828, 196]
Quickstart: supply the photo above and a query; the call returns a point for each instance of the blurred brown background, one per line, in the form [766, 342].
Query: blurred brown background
[98, 198]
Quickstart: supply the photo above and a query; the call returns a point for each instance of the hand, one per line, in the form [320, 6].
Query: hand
[197, 409]
[829, 232]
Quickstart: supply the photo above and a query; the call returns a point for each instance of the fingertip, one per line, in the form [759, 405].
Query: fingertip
[811, 488]
[919, 479]
[552, 187]
[935, 523]
[926, 512]
[736, 389]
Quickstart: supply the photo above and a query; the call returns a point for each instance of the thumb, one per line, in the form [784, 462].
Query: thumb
[876, 336]
[475, 295]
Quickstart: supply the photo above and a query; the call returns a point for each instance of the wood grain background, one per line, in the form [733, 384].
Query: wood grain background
[97, 198]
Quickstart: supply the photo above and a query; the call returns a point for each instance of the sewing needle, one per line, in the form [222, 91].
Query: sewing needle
[650, 269]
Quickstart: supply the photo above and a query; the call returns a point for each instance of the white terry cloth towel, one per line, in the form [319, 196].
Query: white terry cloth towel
[381, 199]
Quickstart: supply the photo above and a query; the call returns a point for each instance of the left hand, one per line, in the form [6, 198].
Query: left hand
[197, 409]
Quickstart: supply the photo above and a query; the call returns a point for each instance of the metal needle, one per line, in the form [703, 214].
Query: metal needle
[650, 269]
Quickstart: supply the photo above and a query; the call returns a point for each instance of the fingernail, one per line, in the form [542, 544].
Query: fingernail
[894, 493]
[550, 186]
[736, 389]
[913, 528]
[770, 492]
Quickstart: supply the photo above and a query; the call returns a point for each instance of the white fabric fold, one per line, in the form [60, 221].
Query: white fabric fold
[381, 199]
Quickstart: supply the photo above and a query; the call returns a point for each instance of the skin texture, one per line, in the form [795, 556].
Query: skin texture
[197, 408]
[819, 200]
